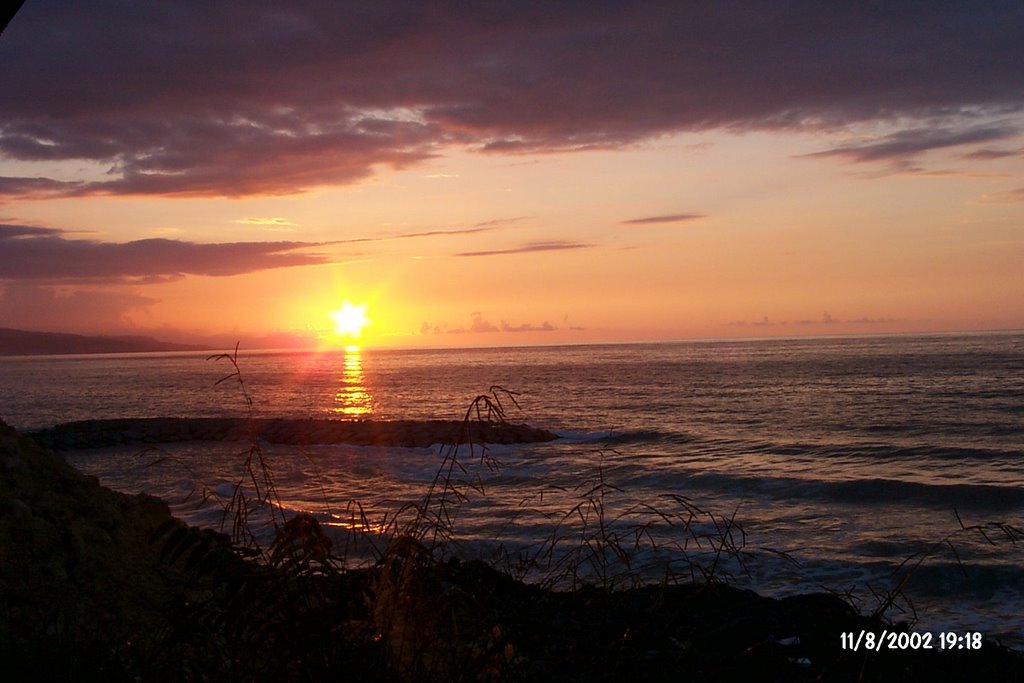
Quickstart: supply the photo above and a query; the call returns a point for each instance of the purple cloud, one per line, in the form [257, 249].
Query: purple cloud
[43, 255]
[902, 146]
[228, 98]
[12, 231]
[37, 188]
[990, 154]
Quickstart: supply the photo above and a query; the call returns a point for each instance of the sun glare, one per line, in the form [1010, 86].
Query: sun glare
[349, 320]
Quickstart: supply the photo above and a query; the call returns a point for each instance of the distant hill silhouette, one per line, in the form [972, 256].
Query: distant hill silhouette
[26, 343]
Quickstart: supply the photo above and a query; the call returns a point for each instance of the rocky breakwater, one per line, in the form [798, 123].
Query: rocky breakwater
[407, 433]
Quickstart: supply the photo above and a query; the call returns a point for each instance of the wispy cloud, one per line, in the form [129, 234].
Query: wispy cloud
[486, 226]
[36, 188]
[1005, 197]
[902, 147]
[992, 154]
[44, 255]
[671, 218]
[528, 248]
[267, 222]
[8, 231]
[226, 99]
[500, 221]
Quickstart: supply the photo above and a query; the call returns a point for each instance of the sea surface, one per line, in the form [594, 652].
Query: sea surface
[857, 465]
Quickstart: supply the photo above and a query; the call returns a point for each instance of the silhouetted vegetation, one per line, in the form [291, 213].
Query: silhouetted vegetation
[101, 585]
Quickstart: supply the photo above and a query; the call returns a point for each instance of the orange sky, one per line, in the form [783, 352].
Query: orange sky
[597, 230]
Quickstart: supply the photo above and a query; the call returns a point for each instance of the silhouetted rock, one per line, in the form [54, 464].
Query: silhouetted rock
[407, 433]
[83, 592]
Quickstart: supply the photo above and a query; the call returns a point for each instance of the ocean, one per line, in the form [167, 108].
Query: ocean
[784, 466]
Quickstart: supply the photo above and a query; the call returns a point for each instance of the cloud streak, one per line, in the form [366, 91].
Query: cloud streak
[43, 255]
[528, 248]
[673, 218]
[267, 222]
[480, 228]
[900, 148]
[230, 99]
[992, 154]
[1014, 196]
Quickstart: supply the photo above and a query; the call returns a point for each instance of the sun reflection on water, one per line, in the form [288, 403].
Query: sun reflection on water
[353, 399]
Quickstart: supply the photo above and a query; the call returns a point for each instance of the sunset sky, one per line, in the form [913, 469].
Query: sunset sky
[512, 173]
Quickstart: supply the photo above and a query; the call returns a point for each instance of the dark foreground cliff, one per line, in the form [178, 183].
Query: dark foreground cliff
[96, 585]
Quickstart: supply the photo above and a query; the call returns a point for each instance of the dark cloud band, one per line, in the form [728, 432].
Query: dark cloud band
[235, 98]
[43, 255]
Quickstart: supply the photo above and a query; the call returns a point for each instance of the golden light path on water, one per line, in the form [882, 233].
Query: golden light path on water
[353, 398]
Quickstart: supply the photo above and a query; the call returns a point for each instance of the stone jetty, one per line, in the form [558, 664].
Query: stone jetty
[407, 433]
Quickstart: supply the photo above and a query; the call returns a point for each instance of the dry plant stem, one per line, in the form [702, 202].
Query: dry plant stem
[257, 471]
[204, 491]
[896, 597]
[605, 544]
[434, 521]
[594, 540]
[602, 542]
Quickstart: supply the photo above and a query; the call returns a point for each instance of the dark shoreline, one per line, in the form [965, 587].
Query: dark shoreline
[406, 433]
[28, 343]
[98, 585]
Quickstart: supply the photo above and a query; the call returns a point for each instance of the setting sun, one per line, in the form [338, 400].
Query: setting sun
[349, 320]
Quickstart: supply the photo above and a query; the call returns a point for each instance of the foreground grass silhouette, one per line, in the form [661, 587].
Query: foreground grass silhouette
[100, 585]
